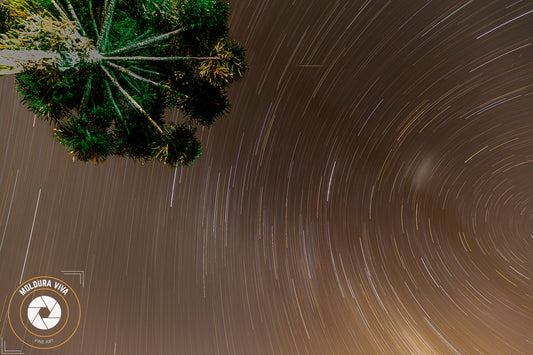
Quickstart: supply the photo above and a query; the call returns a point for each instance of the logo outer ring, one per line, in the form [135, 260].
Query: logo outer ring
[75, 296]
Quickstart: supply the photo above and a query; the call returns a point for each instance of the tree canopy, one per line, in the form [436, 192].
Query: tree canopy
[104, 71]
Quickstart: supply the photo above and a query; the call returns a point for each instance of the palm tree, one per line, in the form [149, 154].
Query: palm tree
[104, 71]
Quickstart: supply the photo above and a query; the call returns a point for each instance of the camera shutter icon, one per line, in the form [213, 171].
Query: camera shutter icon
[44, 312]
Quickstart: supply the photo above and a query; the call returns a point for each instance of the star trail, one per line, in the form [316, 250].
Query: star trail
[371, 192]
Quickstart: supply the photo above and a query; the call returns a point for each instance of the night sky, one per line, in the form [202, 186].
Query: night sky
[371, 192]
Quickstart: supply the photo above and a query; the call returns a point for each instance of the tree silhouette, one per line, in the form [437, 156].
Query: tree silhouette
[104, 71]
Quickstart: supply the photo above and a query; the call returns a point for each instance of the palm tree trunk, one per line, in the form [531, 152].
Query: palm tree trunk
[75, 17]
[138, 77]
[110, 94]
[14, 61]
[59, 9]
[129, 98]
[146, 42]
[92, 18]
[104, 34]
[158, 59]
[87, 92]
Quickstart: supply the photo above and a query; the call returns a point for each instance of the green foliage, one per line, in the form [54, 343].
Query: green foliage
[178, 146]
[136, 139]
[203, 102]
[85, 140]
[205, 20]
[231, 65]
[48, 93]
[20, 9]
[111, 100]
[6, 20]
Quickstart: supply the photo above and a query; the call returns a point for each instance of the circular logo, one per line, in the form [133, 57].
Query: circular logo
[44, 312]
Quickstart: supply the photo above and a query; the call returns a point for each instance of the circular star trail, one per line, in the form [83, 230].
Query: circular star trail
[371, 192]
